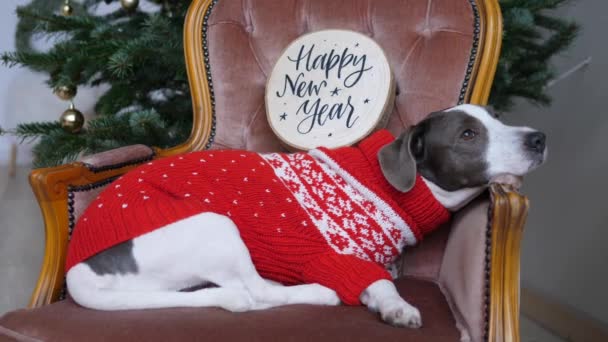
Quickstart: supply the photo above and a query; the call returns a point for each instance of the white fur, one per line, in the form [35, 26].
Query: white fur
[453, 200]
[382, 296]
[208, 248]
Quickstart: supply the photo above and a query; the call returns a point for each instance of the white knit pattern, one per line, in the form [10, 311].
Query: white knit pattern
[368, 206]
[395, 222]
[330, 230]
[351, 217]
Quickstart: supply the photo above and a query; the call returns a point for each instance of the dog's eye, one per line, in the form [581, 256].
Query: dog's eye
[468, 134]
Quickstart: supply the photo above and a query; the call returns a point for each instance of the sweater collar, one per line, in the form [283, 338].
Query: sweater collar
[419, 202]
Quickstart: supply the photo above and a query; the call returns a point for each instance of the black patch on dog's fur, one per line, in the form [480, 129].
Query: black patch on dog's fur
[118, 259]
[448, 160]
[202, 286]
[436, 149]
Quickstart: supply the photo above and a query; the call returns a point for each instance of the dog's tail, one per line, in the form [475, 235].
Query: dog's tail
[84, 287]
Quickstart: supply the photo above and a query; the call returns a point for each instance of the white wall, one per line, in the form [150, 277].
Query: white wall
[565, 250]
[8, 21]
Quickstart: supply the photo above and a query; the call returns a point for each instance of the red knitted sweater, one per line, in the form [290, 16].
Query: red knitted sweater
[326, 216]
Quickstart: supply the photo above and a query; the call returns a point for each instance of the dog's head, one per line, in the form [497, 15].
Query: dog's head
[461, 147]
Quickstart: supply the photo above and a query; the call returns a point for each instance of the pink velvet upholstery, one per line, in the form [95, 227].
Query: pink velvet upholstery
[428, 44]
[462, 272]
[66, 321]
[81, 196]
[454, 257]
[424, 260]
[118, 157]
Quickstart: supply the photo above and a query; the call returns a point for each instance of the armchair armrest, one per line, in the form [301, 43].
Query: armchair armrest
[479, 272]
[509, 213]
[118, 158]
[53, 190]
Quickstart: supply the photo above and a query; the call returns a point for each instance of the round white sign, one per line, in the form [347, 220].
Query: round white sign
[329, 88]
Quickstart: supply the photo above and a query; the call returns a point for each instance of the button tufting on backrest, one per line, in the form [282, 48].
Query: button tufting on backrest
[426, 32]
[428, 44]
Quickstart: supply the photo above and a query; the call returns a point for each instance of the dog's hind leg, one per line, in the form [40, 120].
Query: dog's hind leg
[310, 294]
[86, 288]
[199, 249]
[225, 261]
[205, 248]
[266, 295]
[238, 271]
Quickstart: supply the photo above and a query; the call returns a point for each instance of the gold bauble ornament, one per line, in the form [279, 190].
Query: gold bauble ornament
[67, 9]
[129, 5]
[66, 92]
[72, 120]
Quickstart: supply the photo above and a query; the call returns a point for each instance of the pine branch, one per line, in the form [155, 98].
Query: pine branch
[26, 27]
[531, 37]
[109, 127]
[33, 129]
[52, 23]
[146, 122]
[119, 96]
[559, 41]
[34, 60]
[58, 148]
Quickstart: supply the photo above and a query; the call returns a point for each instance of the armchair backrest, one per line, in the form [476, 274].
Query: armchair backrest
[442, 53]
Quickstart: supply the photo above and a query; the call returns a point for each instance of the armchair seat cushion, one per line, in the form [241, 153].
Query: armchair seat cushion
[67, 321]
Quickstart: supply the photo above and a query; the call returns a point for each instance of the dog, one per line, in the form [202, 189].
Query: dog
[325, 256]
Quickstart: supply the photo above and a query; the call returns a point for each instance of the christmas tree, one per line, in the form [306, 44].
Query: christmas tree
[139, 56]
[532, 35]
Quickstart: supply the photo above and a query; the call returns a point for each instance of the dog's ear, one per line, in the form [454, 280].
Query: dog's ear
[398, 159]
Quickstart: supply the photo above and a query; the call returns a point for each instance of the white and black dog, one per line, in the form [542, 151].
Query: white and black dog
[457, 152]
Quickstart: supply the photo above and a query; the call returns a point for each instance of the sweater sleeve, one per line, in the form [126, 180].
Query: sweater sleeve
[348, 275]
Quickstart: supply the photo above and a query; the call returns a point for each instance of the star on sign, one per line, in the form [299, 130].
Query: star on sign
[335, 91]
[366, 101]
[283, 116]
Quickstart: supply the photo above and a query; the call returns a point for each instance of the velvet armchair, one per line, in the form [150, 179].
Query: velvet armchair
[464, 278]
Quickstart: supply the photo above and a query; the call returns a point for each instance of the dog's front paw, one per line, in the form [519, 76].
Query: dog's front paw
[401, 314]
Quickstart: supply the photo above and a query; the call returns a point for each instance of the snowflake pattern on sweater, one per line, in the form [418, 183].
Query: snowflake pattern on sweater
[315, 217]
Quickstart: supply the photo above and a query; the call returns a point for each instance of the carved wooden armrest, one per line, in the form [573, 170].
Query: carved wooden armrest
[52, 189]
[508, 216]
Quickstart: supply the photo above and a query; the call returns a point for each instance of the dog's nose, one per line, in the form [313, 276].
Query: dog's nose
[535, 141]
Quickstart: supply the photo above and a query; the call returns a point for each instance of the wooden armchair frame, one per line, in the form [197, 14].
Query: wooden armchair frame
[507, 211]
